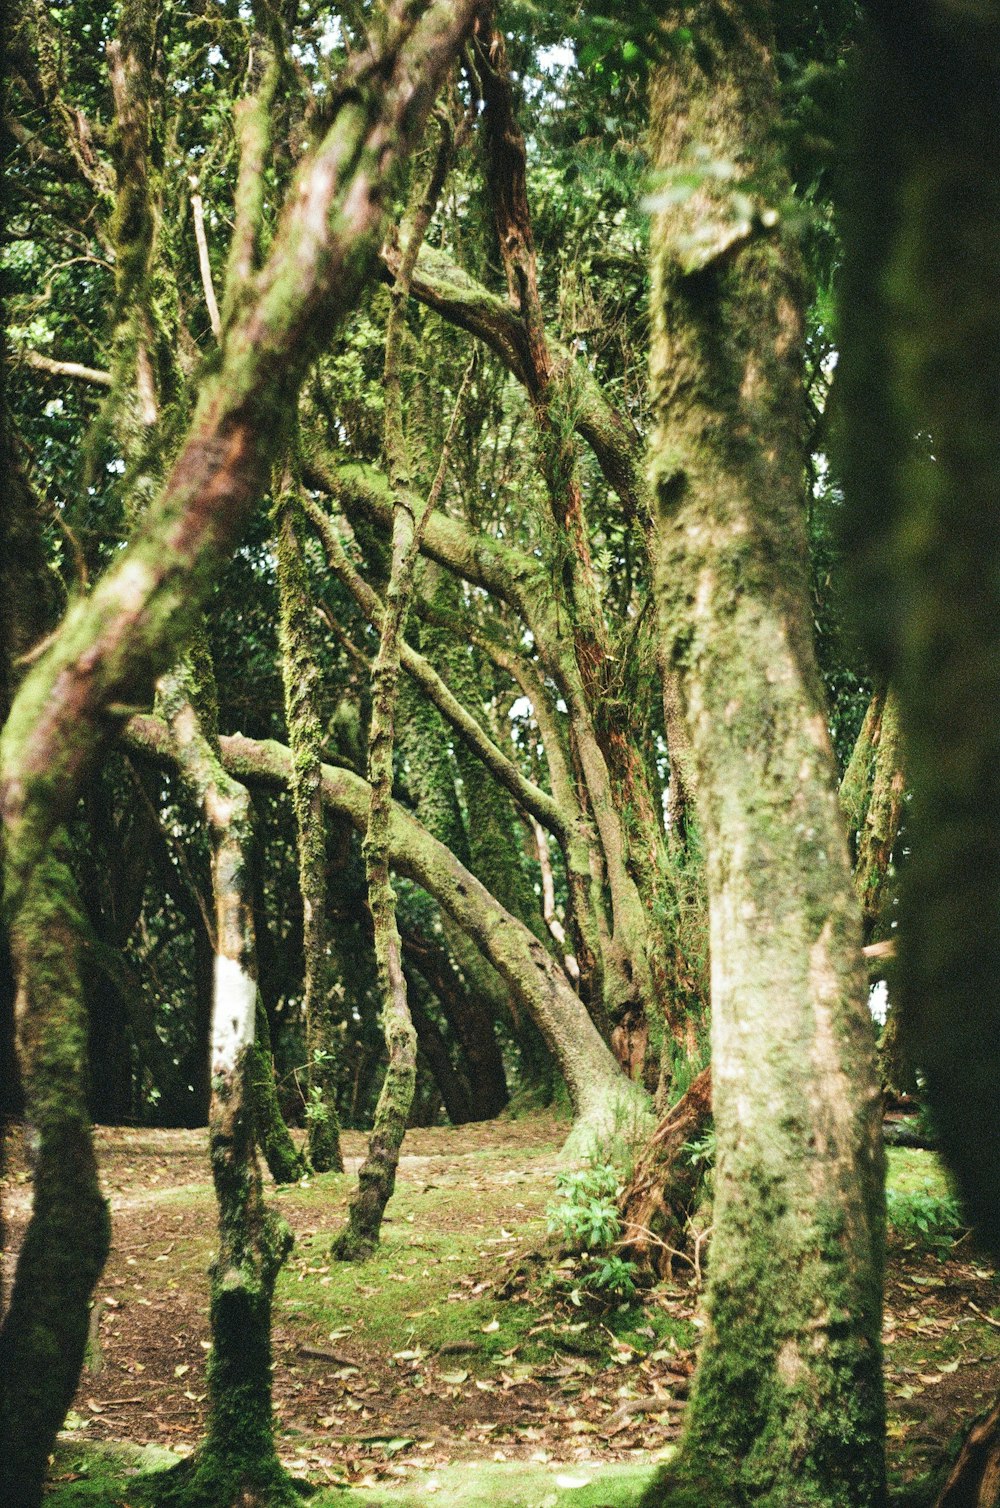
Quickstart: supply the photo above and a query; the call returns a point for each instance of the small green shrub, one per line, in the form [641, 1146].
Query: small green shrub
[928, 1218]
[585, 1217]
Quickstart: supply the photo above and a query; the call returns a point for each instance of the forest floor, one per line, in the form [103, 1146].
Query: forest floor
[463, 1363]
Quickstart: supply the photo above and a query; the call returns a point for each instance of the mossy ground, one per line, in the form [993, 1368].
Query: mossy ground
[428, 1374]
[106, 1474]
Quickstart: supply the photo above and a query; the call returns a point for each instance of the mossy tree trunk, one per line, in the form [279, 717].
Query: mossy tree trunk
[237, 1463]
[920, 373]
[300, 674]
[27, 610]
[919, 379]
[787, 1406]
[43, 1067]
[871, 795]
[377, 1174]
[113, 643]
[44, 1333]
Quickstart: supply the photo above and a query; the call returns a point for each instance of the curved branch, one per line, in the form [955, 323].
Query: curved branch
[113, 644]
[596, 1084]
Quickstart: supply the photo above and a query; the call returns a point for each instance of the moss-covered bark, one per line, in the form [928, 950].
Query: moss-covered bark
[27, 610]
[301, 678]
[919, 377]
[871, 796]
[377, 1175]
[285, 1162]
[44, 1332]
[787, 1405]
[237, 1463]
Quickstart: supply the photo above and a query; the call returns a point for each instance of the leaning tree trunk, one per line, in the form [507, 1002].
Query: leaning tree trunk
[787, 1405]
[921, 372]
[605, 1102]
[114, 642]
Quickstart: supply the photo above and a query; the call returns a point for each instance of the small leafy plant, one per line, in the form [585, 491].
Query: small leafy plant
[585, 1217]
[932, 1220]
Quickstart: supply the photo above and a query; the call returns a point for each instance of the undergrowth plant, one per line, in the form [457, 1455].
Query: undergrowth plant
[585, 1217]
[928, 1218]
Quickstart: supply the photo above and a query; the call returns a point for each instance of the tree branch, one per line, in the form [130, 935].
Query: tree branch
[54, 368]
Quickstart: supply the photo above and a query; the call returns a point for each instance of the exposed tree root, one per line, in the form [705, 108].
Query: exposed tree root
[974, 1480]
[655, 1206]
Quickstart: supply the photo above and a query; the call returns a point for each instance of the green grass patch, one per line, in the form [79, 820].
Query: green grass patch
[912, 1170]
[102, 1477]
[511, 1484]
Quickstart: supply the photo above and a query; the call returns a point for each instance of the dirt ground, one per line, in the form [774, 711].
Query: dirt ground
[448, 1346]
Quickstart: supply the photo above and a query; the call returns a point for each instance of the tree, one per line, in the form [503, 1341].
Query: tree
[920, 372]
[787, 1404]
[110, 648]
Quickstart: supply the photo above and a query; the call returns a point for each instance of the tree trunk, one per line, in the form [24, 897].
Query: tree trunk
[452, 1087]
[787, 1405]
[974, 1480]
[301, 677]
[237, 1463]
[284, 1162]
[655, 1204]
[871, 795]
[44, 1332]
[919, 378]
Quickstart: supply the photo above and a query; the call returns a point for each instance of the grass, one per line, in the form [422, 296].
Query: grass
[104, 1475]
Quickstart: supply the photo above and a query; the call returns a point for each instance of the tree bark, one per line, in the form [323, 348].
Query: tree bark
[377, 1174]
[787, 1405]
[300, 674]
[974, 1480]
[44, 1332]
[237, 1462]
[655, 1203]
[920, 371]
